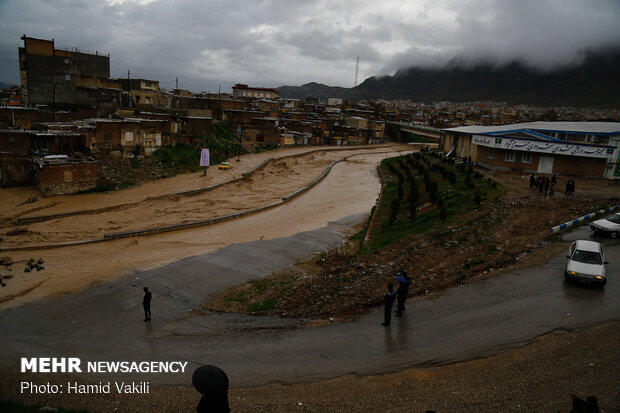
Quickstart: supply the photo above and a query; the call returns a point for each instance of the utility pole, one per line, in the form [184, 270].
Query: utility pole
[53, 82]
[239, 147]
[357, 69]
[219, 102]
[177, 80]
[128, 90]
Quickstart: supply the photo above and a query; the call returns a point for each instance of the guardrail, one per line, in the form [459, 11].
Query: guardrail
[583, 218]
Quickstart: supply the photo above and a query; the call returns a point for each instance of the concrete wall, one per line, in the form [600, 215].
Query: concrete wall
[67, 178]
[14, 171]
[15, 142]
[563, 165]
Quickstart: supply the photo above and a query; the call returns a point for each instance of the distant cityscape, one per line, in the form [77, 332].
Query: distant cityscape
[67, 105]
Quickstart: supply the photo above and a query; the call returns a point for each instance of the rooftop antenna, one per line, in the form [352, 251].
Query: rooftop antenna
[357, 70]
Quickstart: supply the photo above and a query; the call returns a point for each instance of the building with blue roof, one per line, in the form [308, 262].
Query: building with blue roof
[564, 148]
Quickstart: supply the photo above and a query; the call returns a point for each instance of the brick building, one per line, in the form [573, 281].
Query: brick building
[61, 175]
[569, 148]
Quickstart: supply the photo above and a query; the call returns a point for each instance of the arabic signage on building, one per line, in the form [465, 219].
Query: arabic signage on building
[547, 147]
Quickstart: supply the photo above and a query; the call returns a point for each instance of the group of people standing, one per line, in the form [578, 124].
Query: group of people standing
[400, 295]
[547, 185]
[543, 183]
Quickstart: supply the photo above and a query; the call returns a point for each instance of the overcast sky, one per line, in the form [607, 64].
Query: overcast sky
[270, 43]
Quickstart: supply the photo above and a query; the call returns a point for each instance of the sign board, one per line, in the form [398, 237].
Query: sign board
[544, 147]
[204, 157]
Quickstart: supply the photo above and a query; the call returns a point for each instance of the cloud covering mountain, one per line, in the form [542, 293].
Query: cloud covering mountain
[276, 42]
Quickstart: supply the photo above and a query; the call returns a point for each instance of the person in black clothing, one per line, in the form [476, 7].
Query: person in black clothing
[212, 383]
[388, 300]
[541, 184]
[403, 292]
[146, 303]
[532, 181]
[554, 181]
[570, 187]
[547, 183]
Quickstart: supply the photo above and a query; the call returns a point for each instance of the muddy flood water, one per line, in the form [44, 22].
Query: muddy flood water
[351, 187]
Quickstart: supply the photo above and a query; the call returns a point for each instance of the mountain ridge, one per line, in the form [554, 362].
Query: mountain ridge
[593, 82]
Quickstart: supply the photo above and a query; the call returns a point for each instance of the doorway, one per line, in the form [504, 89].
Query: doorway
[545, 164]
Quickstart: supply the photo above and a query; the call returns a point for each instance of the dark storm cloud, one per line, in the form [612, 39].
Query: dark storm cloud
[276, 42]
[542, 33]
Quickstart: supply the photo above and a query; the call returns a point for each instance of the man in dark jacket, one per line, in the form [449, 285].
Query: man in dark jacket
[146, 303]
[388, 300]
[403, 291]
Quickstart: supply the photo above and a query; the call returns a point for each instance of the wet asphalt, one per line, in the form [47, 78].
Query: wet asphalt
[475, 320]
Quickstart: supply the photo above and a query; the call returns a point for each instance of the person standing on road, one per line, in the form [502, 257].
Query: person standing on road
[388, 300]
[547, 183]
[554, 181]
[146, 303]
[532, 181]
[403, 291]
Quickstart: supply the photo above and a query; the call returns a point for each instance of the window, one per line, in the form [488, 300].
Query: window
[510, 156]
[491, 153]
[66, 61]
[127, 137]
[526, 157]
[67, 77]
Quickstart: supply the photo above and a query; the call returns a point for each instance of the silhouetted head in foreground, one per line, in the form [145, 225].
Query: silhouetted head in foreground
[212, 383]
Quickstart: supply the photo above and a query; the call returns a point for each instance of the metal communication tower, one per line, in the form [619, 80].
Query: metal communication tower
[357, 70]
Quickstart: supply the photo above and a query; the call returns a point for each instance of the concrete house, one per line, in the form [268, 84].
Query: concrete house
[66, 79]
[241, 90]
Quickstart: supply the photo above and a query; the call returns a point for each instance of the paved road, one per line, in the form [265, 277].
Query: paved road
[474, 320]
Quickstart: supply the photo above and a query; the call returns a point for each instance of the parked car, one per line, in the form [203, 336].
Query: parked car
[608, 226]
[224, 165]
[586, 263]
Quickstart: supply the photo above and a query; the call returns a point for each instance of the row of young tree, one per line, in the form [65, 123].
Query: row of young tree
[406, 171]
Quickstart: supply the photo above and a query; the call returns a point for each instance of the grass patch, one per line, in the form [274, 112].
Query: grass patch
[264, 306]
[240, 297]
[176, 158]
[447, 194]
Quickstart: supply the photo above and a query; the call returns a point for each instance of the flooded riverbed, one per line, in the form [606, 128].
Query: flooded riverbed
[351, 188]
